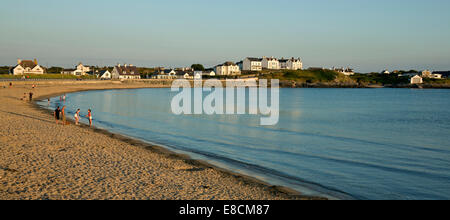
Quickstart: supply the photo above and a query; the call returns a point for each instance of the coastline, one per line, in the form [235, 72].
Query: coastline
[243, 187]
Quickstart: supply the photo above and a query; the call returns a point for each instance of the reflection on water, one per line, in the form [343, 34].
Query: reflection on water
[370, 144]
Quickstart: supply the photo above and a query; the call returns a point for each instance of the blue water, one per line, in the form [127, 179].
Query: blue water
[344, 143]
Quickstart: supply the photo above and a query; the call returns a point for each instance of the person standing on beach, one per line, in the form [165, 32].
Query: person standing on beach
[31, 96]
[77, 117]
[63, 115]
[89, 116]
[57, 114]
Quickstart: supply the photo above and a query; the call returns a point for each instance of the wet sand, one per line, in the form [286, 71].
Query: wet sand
[42, 160]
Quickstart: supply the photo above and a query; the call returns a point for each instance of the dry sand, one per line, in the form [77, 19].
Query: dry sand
[42, 160]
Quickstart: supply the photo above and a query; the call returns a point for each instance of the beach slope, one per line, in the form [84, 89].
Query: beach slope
[42, 160]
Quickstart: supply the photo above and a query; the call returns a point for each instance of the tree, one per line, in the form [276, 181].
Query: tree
[54, 70]
[198, 67]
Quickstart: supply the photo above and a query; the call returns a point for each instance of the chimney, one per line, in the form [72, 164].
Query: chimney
[35, 61]
[19, 61]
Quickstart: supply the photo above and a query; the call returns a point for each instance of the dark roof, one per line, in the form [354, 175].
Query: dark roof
[271, 58]
[254, 59]
[102, 72]
[167, 71]
[282, 60]
[229, 63]
[27, 64]
[127, 70]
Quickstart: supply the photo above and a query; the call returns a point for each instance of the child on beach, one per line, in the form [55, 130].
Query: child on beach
[89, 116]
[77, 117]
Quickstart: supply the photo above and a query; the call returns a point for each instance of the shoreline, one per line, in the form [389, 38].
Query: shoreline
[278, 191]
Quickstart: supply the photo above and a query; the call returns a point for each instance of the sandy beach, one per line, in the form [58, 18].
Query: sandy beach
[42, 160]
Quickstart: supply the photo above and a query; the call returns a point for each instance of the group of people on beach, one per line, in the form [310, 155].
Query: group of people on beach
[60, 115]
[30, 94]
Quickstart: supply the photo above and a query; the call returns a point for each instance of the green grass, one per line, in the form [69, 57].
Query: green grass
[381, 79]
[4, 69]
[309, 76]
[436, 81]
[45, 76]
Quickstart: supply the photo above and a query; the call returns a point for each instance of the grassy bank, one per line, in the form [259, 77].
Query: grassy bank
[322, 78]
[308, 76]
[45, 76]
[311, 78]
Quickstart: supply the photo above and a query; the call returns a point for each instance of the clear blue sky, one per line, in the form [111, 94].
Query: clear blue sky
[368, 35]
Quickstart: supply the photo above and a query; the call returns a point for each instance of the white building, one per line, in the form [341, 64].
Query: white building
[165, 74]
[27, 67]
[125, 72]
[185, 74]
[84, 69]
[228, 69]
[291, 64]
[416, 80]
[80, 70]
[270, 63]
[252, 64]
[105, 74]
[209, 73]
[428, 74]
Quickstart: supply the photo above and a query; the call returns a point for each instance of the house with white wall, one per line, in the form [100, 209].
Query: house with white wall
[125, 72]
[105, 74]
[228, 69]
[270, 63]
[27, 67]
[165, 74]
[416, 80]
[80, 70]
[252, 64]
[200, 74]
[294, 64]
[84, 69]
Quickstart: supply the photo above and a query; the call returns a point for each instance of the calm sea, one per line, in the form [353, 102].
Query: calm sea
[344, 143]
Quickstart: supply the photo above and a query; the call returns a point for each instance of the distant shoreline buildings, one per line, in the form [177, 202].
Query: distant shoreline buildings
[125, 72]
[270, 63]
[249, 65]
[80, 70]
